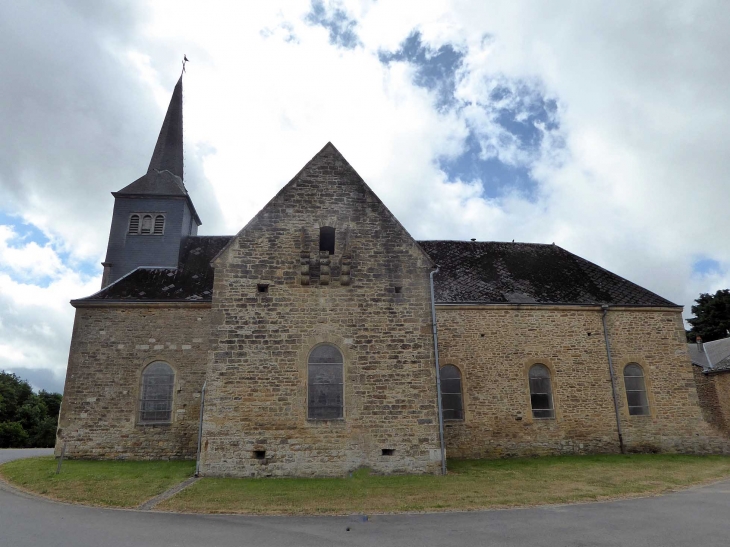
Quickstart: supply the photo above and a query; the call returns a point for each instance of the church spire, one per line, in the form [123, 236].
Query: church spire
[168, 154]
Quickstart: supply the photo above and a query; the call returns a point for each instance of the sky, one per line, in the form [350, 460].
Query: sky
[600, 126]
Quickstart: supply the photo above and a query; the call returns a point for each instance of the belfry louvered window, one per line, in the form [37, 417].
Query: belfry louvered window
[156, 391]
[324, 383]
[159, 225]
[134, 224]
[146, 224]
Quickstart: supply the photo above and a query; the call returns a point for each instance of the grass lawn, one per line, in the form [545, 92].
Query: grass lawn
[108, 483]
[475, 484]
[470, 484]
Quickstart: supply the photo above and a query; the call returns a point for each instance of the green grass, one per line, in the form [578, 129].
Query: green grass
[107, 483]
[470, 485]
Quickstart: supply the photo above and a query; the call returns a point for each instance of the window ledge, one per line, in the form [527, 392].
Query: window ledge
[153, 424]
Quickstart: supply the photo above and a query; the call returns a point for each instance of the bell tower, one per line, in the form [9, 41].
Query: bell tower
[153, 214]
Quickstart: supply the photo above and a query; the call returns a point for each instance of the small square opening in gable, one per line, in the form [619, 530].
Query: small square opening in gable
[262, 287]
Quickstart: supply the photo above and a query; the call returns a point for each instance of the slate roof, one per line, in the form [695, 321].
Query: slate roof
[470, 272]
[715, 356]
[164, 176]
[496, 273]
[191, 281]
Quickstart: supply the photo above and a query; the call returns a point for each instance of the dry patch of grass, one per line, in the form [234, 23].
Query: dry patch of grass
[471, 484]
[107, 483]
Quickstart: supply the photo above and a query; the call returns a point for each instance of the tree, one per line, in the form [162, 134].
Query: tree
[712, 316]
[26, 419]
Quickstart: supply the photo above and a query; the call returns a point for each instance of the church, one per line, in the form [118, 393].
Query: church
[322, 338]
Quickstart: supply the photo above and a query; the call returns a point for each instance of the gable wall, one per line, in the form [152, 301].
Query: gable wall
[494, 348]
[257, 380]
[109, 348]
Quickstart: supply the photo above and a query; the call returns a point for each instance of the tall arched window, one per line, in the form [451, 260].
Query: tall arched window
[159, 225]
[324, 383]
[636, 390]
[541, 392]
[134, 224]
[452, 404]
[327, 239]
[155, 400]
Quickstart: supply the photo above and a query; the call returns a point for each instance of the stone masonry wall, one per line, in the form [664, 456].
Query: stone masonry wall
[714, 395]
[257, 380]
[110, 347]
[494, 346]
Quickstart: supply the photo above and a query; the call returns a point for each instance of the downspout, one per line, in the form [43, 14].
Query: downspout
[200, 429]
[438, 373]
[613, 380]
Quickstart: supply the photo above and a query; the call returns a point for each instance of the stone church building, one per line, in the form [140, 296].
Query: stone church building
[322, 338]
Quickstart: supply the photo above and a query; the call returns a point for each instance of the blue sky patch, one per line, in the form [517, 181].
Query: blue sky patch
[435, 68]
[340, 26]
[496, 177]
[705, 266]
[26, 232]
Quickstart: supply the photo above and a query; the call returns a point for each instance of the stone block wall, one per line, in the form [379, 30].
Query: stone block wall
[370, 299]
[714, 395]
[110, 347]
[494, 346]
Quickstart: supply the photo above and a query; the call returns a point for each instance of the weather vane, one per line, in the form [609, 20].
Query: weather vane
[185, 60]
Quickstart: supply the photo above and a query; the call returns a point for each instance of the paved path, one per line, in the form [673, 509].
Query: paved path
[696, 517]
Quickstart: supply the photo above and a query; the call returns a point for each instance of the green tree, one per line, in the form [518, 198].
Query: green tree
[712, 316]
[12, 435]
[26, 419]
[14, 392]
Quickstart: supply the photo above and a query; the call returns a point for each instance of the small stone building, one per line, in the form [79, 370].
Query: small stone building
[712, 365]
[305, 345]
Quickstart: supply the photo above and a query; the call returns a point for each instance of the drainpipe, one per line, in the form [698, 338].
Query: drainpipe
[613, 379]
[438, 373]
[200, 428]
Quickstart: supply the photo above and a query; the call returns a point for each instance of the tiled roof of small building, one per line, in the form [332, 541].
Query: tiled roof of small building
[191, 281]
[714, 357]
[470, 272]
[492, 272]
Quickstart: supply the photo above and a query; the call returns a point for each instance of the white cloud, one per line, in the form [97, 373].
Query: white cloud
[634, 179]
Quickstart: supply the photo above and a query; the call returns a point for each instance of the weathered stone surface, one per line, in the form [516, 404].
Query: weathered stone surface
[260, 342]
[713, 391]
[494, 346]
[109, 349]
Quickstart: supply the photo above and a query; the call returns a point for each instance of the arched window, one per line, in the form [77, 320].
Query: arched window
[636, 390]
[134, 224]
[146, 224]
[155, 401]
[452, 404]
[541, 392]
[327, 239]
[159, 225]
[324, 383]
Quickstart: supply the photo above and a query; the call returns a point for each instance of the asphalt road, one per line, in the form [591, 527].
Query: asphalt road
[697, 517]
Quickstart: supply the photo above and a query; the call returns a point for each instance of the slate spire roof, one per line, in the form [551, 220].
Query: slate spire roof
[165, 175]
